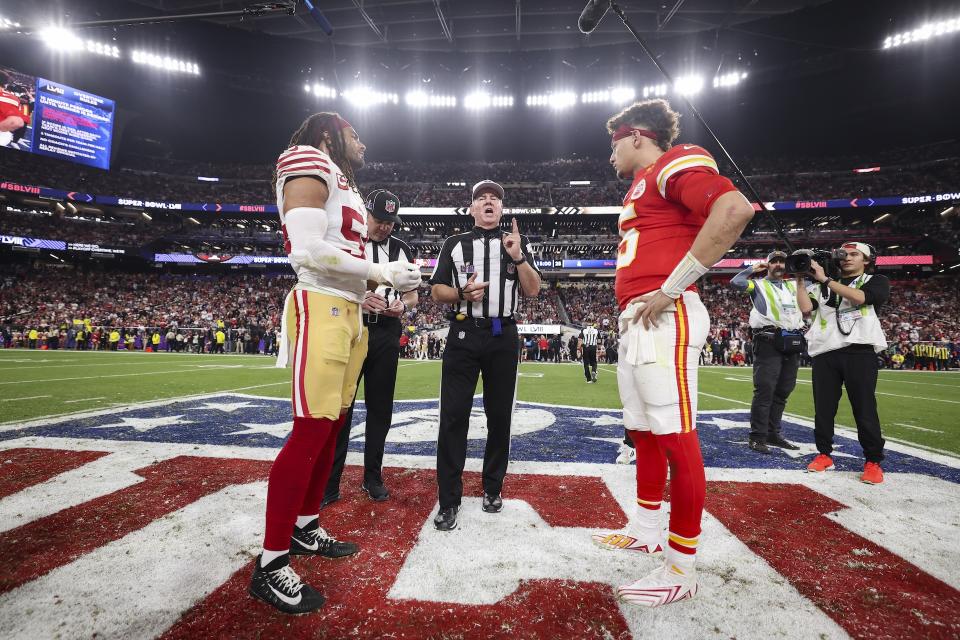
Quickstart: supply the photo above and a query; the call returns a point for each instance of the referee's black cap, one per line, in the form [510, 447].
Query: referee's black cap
[383, 205]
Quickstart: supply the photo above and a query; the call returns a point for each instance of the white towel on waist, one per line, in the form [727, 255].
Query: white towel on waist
[641, 347]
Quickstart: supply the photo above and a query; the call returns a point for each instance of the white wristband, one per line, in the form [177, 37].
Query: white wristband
[688, 271]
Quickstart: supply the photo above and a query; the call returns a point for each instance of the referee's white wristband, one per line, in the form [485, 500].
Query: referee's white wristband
[688, 271]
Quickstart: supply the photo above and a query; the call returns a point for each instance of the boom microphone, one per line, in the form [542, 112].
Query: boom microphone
[592, 15]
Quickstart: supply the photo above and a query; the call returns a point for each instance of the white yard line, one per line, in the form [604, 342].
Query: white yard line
[26, 398]
[85, 400]
[126, 375]
[913, 426]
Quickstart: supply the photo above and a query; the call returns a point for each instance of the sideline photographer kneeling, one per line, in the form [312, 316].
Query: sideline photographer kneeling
[843, 340]
[776, 328]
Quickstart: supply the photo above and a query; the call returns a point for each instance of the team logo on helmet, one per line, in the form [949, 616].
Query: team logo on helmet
[639, 189]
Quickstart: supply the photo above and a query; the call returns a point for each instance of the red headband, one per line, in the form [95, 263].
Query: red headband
[342, 124]
[625, 131]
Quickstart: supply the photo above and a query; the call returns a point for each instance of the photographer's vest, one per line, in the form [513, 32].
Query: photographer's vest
[861, 322]
[781, 302]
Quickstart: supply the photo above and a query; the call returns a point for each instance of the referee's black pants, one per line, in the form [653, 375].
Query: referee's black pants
[590, 361]
[774, 378]
[379, 375]
[854, 368]
[473, 351]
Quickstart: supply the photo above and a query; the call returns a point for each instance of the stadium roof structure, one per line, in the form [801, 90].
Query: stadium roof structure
[490, 25]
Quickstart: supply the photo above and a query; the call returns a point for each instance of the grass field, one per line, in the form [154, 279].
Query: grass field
[915, 407]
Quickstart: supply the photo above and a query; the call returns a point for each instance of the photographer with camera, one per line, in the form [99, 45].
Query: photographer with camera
[843, 340]
[775, 326]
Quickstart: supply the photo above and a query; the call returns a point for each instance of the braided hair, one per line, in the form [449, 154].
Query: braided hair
[311, 133]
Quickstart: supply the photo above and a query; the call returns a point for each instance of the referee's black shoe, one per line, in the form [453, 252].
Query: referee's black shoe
[759, 447]
[779, 441]
[492, 504]
[280, 587]
[376, 490]
[446, 519]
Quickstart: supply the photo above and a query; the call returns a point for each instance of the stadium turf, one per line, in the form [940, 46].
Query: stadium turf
[915, 407]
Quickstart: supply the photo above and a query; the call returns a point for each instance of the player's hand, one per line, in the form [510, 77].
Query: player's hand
[396, 309]
[511, 242]
[373, 302]
[401, 275]
[474, 291]
[656, 302]
[760, 266]
[816, 271]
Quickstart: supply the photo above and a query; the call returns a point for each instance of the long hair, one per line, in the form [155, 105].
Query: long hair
[311, 133]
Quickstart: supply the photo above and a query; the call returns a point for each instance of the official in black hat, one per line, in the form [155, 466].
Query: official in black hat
[383, 309]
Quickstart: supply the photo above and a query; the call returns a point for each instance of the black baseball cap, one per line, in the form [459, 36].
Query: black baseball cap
[487, 185]
[383, 205]
[777, 254]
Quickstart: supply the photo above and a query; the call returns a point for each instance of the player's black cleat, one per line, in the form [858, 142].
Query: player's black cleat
[492, 504]
[280, 587]
[314, 541]
[759, 447]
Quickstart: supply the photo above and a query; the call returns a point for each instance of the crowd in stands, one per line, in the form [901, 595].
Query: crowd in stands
[917, 170]
[247, 308]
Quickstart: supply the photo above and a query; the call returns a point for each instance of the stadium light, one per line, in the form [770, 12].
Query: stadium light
[421, 99]
[63, 40]
[922, 33]
[6, 23]
[731, 79]
[621, 95]
[655, 90]
[481, 100]
[320, 90]
[688, 85]
[556, 100]
[165, 62]
[366, 97]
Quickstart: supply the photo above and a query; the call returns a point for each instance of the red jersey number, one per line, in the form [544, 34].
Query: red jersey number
[351, 229]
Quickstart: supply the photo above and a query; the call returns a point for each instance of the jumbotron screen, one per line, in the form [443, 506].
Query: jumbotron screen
[60, 121]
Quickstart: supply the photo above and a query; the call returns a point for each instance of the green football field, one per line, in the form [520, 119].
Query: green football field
[916, 407]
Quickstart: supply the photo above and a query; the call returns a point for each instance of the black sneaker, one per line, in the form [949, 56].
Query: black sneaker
[492, 504]
[446, 519]
[280, 587]
[779, 441]
[759, 447]
[314, 541]
[376, 491]
[593, 376]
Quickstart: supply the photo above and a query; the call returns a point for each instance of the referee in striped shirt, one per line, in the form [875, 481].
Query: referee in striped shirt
[481, 274]
[382, 310]
[588, 338]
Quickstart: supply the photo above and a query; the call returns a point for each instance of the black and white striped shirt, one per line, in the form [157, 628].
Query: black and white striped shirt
[589, 336]
[389, 250]
[481, 252]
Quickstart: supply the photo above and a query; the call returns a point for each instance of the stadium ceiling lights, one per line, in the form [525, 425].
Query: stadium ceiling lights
[688, 85]
[617, 95]
[320, 90]
[481, 100]
[729, 79]
[165, 62]
[652, 91]
[420, 99]
[366, 97]
[557, 100]
[922, 33]
[6, 23]
[61, 39]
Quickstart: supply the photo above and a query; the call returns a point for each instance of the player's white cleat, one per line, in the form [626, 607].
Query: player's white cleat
[626, 455]
[664, 585]
[615, 541]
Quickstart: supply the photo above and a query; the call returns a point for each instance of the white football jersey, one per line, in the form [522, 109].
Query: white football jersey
[346, 218]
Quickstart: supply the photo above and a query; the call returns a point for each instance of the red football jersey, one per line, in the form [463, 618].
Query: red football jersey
[662, 214]
[10, 106]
